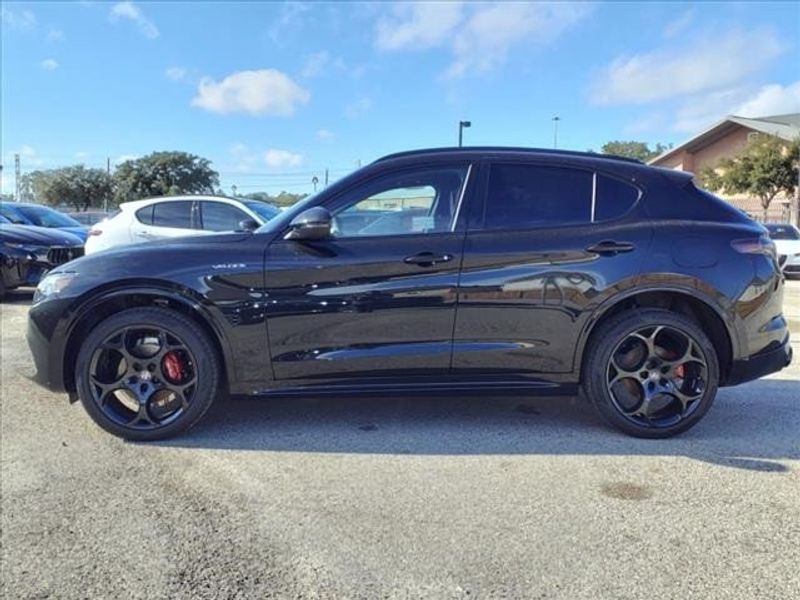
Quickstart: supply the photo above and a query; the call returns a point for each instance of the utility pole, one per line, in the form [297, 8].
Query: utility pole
[556, 119]
[16, 178]
[462, 125]
[326, 177]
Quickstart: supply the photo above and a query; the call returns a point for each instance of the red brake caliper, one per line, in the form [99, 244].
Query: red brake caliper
[174, 367]
[680, 371]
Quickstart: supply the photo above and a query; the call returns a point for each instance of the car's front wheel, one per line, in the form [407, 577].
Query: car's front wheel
[651, 373]
[147, 373]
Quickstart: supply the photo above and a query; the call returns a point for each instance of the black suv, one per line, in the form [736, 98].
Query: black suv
[450, 270]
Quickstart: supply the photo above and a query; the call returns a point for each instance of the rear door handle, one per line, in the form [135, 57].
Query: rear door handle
[610, 248]
[427, 259]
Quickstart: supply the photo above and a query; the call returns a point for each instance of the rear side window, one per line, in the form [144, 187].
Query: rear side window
[177, 214]
[145, 215]
[613, 198]
[522, 196]
[219, 216]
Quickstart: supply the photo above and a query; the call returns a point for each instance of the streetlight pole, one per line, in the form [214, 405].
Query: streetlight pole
[556, 119]
[461, 126]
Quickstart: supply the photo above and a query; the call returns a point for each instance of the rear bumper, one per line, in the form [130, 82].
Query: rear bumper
[768, 361]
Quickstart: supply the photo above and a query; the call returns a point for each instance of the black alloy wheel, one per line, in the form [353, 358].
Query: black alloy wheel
[147, 373]
[651, 372]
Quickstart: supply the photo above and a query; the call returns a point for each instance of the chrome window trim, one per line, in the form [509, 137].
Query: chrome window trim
[461, 198]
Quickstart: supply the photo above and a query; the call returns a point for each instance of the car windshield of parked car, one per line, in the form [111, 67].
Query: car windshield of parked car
[12, 214]
[262, 209]
[783, 232]
[46, 217]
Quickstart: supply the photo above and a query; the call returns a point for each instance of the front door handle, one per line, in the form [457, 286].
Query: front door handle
[610, 248]
[427, 259]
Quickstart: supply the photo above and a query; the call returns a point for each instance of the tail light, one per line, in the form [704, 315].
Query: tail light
[756, 245]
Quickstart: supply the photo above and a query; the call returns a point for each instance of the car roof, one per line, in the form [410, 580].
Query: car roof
[146, 201]
[473, 152]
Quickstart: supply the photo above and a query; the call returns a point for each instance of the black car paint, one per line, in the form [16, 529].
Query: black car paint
[510, 309]
[25, 252]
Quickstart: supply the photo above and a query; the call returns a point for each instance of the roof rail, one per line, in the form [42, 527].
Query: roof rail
[506, 149]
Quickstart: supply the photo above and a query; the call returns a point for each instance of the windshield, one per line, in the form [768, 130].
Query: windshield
[783, 232]
[46, 217]
[12, 214]
[262, 209]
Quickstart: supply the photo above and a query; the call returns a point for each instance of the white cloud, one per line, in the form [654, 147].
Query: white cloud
[713, 63]
[265, 92]
[131, 12]
[325, 134]
[701, 111]
[175, 73]
[479, 35]
[282, 159]
[49, 64]
[55, 35]
[288, 21]
[418, 25]
[679, 24]
[771, 100]
[358, 107]
[490, 32]
[80, 155]
[23, 20]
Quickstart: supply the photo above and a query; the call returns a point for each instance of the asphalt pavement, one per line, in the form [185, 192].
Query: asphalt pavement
[400, 498]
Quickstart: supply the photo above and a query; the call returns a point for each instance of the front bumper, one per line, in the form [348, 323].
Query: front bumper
[770, 360]
[47, 340]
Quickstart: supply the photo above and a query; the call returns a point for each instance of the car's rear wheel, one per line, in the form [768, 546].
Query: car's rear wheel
[147, 374]
[651, 373]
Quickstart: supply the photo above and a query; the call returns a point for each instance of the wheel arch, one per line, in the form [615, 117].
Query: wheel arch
[108, 302]
[693, 304]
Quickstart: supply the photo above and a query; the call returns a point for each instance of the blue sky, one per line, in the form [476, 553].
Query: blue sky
[276, 93]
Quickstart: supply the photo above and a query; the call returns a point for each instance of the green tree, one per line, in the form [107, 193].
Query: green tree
[766, 167]
[75, 185]
[164, 174]
[632, 149]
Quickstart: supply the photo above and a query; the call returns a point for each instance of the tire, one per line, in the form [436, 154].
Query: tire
[619, 388]
[143, 404]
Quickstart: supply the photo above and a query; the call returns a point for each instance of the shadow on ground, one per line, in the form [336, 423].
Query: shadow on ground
[750, 427]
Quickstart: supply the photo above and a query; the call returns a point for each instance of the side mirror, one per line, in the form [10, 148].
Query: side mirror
[248, 225]
[311, 224]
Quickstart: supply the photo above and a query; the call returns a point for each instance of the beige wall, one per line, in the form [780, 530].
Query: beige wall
[707, 156]
[726, 147]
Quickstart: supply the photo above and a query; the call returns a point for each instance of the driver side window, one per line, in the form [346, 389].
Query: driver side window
[413, 202]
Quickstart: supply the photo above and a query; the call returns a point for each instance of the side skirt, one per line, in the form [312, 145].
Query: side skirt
[423, 387]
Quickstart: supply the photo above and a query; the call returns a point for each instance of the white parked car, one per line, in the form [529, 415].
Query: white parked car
[177, 216]
[787, 245]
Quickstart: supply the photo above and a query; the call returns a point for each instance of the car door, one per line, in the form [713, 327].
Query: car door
[376, 299]
[165, 219]
[545, 246]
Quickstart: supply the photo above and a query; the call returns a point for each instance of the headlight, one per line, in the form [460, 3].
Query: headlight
[52, 285]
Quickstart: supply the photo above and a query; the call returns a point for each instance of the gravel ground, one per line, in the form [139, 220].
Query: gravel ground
[399, 498]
